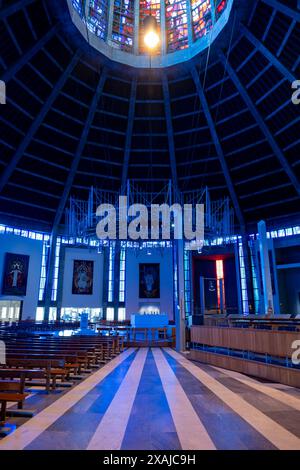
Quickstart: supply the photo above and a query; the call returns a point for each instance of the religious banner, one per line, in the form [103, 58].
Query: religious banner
[149, 281]
[15, 274]
[211, 294]
[83, 277]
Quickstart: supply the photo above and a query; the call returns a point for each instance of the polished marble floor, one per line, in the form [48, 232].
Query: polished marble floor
[156, 399]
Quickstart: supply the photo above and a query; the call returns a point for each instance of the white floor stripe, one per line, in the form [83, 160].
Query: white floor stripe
[278, 395]
[110, 433]
[190, 430]
[272, 431]
[34, 427]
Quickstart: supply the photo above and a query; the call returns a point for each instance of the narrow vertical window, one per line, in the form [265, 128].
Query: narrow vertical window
[78, 6]
[123, 24]
[245, 304]
[98, 17]
[176, 25]
[201, 18]
[220, 7]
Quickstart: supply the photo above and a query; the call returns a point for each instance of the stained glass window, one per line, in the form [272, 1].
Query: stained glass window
[147, 8]
[176, 24]
[78, 5]
[97, 19]
[123, 24]
[201, 17]
[179, 22]
[220, 7]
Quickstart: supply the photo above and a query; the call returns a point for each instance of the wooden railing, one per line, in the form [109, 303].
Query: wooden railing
[206, 342]
[273, 343]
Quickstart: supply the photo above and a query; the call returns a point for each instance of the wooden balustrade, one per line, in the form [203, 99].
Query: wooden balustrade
[273, 343]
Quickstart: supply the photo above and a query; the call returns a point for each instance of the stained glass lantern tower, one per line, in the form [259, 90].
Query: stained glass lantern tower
[117, 27]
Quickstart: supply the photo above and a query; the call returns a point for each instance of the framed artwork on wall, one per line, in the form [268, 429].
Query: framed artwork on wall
[15, 274]
[149, 281]
[83, 277]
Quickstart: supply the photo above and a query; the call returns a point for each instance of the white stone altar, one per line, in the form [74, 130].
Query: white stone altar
[149, 321]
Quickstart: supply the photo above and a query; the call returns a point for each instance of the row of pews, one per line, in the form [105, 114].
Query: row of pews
[49, 360]
[32, 325]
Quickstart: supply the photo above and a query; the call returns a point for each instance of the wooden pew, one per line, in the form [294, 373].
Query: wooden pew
[87, 355]
[75, 358]
[10, 392]
[51, 368]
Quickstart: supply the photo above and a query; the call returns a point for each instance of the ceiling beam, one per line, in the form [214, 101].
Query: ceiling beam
[170, 133]
[218, 147]
[79, 150]
[14, 8]
[129, 133]
[268, 55]
[229, 183]
[36, 123]
[261, 123]
[9, 73]
[283, 9]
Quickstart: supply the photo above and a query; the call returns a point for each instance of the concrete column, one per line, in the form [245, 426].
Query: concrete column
[136, 26]
[110, 20]
[221, 284]
[202, 297]
[50, 275]
[60, 284]
[248, 270]
[117, 279]
[190, 23]
[180, 310]
[265, 269]
[163, 28]
[105, 279]
[238, 278]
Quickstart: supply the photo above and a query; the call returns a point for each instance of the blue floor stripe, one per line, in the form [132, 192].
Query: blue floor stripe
[227, 429]
[75, 428]
[150, 426]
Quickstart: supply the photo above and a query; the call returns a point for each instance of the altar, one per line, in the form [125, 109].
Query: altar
[139, 320]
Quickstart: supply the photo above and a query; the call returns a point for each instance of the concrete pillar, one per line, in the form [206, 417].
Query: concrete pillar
[248, 270]
[180, 310]
[117, 279]
[110, 14]
[221, 287]
[163, 28]
[268, 303]
[50, 275]
[202, 297]
[238, 278]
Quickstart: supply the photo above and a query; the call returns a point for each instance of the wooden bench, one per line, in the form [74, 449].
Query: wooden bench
[10, 392]
[51, 368]
[99, 350]
[74, 358]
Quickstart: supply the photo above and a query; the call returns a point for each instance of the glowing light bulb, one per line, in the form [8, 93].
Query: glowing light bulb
[151, 39]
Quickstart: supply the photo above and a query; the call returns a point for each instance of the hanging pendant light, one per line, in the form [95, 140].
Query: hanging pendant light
[151, 36]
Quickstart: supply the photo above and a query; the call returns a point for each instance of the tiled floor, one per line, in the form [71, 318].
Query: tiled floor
[154, 399]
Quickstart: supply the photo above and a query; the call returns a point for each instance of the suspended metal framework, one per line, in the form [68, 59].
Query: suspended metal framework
[81, 219]
[115, 27]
